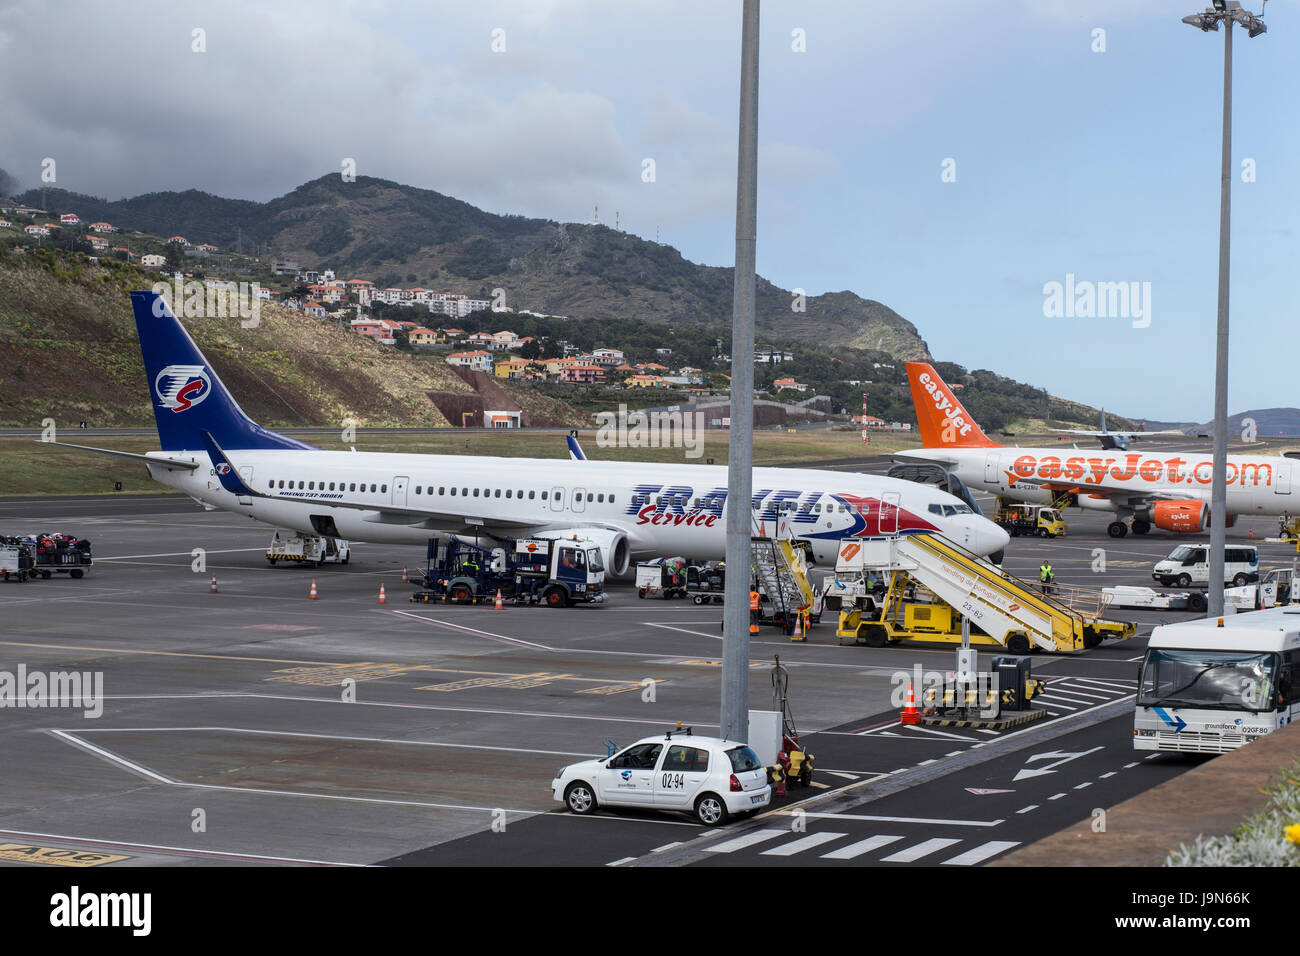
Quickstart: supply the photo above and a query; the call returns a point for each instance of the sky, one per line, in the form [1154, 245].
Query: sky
[949, 159]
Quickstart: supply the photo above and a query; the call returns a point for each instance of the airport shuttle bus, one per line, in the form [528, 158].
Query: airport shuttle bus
[1211, 685]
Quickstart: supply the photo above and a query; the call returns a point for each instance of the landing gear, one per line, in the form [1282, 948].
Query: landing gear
[1117, 529]
[1140, 526]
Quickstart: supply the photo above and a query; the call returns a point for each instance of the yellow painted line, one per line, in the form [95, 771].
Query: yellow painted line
[56, 856]
[131, 650]
[719, 663]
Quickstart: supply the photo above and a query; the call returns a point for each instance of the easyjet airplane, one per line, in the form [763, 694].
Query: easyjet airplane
[213, 452]
[1170, 490]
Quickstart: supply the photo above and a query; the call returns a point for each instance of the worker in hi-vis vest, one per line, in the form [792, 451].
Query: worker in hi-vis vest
[1045, 575]
[753, 612]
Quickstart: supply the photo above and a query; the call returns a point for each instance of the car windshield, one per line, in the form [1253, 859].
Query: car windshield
[1219, 680]
[743, 759]
[593, 560]
[1181, 553]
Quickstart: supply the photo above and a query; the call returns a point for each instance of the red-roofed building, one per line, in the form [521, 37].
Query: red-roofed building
[582, 374]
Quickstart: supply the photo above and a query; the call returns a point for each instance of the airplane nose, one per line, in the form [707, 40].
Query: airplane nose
[987, 538]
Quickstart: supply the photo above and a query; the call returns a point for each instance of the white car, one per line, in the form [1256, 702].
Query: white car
[705, 776]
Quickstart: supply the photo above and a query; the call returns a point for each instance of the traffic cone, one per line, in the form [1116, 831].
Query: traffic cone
[798, 628]
[910, 714]
[313, 590]
[499, 606]
[405, 578]
[382, 598]
[1252, 532]
[212, 589]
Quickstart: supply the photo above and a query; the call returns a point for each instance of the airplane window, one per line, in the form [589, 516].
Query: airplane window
[352, 486]
[442, 490]
[311, 486]
[508, 493]
[519, 493]
[372, 489]
[498, 494]
[531, 494]
[611, 499]
[543, 496]
[600, 497]
[384, 489]
[590, 496]
[949, 511]
[453, 492]
[417, 489]
[475, 492]
[331, 486]
[464, 492]
[282, 484]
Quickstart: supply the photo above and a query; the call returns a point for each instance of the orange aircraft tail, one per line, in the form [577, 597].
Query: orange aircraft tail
[944, 423]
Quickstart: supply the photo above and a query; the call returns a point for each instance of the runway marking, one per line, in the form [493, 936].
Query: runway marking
[817, 815]
[472, 630]
[981, 853]
[177, 554]
[1032, 806]
[919, 850]
[1128, 765]
[1075, 692]
[1109, 773]
[56, 855]
[1080, 786]
[748, 840]
[854, 850]
[803, 843]
[1056, 796]
[666, 846]
[669, 627]
[188, 851]
[1121, 685]
[937, 733]
[113, 758]
[626, 859]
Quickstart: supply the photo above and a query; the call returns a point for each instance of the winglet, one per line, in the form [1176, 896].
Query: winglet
[575, 450]
[944, 422]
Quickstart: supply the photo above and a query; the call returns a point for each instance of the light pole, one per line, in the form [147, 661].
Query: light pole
[1227, 12]
[735, 638]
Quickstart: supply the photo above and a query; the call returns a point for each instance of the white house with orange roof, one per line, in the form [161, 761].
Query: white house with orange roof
[70, 219]
[478, 360]
[102, 227]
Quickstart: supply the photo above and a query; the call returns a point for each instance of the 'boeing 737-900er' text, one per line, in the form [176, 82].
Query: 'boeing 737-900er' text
[213, 452]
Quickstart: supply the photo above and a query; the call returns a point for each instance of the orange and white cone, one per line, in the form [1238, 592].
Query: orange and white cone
[212, 588]
[405, 578]
[498, 605]
[312, 595]
[910, 714]
[383, 599]
[798, 628]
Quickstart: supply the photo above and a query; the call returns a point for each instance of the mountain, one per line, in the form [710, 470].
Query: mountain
[395, 234]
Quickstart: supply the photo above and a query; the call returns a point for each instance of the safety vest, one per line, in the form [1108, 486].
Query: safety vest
[753, 600]
[1045, 573]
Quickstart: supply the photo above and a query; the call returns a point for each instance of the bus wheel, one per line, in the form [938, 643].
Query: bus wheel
[555, 597]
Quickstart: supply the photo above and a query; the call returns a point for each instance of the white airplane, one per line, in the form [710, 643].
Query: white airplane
[213, 452]
[1170, 490]
[1110, 439]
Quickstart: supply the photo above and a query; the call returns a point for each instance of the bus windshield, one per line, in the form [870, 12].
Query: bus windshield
[1217, 680]
[593, 560]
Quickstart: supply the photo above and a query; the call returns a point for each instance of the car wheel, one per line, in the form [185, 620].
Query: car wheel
[1183, 580]
[1044, 533]
[1196, 602]
[640, 592]
[580, 798]
[1117, 529]
[1240, 580]
[710, 810]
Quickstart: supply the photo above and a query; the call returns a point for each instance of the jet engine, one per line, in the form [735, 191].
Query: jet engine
[614, 548]
[1183, 516]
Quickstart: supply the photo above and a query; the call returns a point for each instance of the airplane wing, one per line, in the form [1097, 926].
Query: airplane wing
[228, 474]
[1094, 433]
[130, 455]
[1130, 496]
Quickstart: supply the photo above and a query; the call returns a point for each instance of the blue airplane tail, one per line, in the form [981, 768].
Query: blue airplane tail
[187, 396]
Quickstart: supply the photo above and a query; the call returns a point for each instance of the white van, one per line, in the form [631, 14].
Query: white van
[1189, 564]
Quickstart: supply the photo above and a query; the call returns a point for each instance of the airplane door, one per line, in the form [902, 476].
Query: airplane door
[399, 490]
[246, 473]
[1282, 484]
[557, 499]
[889, 512]
[579, 499]
[991, 468]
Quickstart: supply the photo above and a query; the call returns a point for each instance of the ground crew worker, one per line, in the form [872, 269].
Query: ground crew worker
[1045, 575]
[753, 612]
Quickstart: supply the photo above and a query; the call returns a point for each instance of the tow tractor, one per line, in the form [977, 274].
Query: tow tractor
[550, 571]
[1024, 520]
[661, 577]
[16, 560]
[307, 549]
[706, 583]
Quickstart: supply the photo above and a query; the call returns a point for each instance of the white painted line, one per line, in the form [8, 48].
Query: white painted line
[816, 815]
[1133, 659]
[1130, 765]
[1043, 697]
[626, 859]
[955, 753]
[986, 731]
[981, 853]
[838, 773]
[926, 763]
[470, 630]
[666, 846]
[1080, 786]
[112, 757]
[1121, 685]
[803, 843]
[1032, 806]
[1108, 773]
[1075, 692]
[855, 850]
[749, 839]
[819, 786]
[669, 627]
[1056, 796]
[1057, 696]
[172, 554]
[162, 848]
[937, 733]
[919, 850]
